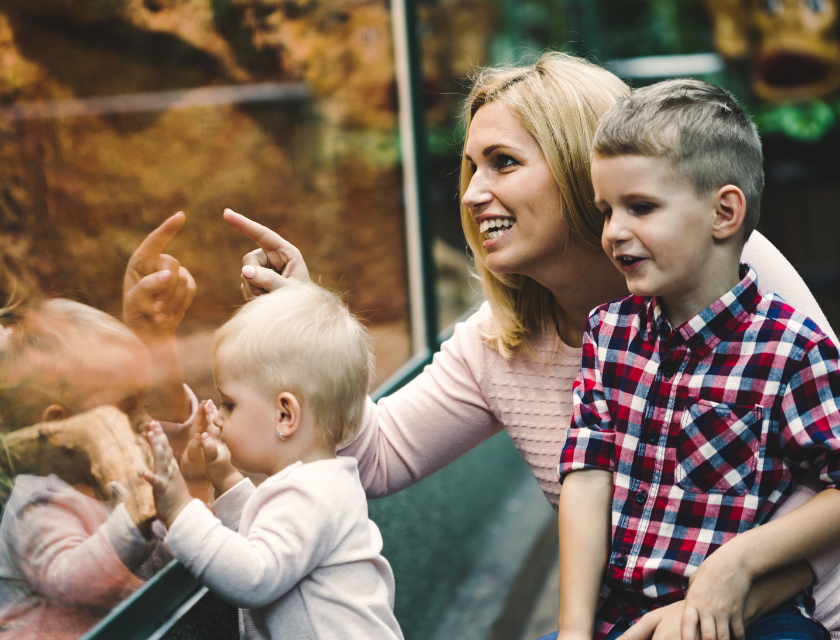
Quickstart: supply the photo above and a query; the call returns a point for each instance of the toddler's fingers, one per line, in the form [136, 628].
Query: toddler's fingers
[211, 451]
[152, 479]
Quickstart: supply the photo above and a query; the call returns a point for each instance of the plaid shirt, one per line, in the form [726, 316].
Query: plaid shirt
[701, 427]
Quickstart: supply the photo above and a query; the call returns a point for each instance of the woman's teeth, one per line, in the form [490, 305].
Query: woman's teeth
[495, 228]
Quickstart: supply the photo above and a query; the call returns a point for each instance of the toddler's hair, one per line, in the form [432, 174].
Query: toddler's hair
[303, 339]
[698, 129]
[38, 336]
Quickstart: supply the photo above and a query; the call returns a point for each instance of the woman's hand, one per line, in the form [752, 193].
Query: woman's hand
[267, 268]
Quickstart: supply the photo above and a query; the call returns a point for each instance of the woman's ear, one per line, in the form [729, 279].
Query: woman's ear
[730, 211]
[54, 412]
[288, 412]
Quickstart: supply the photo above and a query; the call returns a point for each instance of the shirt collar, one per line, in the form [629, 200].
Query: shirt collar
[713, 324]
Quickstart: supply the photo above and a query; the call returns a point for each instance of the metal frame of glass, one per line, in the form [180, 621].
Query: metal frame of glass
[153, 610]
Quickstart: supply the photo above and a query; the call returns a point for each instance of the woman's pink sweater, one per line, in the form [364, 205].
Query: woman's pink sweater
[470, 393]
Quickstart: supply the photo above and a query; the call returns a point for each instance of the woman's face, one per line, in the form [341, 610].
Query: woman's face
[512, 196]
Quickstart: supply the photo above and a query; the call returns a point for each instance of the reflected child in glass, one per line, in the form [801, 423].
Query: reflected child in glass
[297, 554]
[66, 557]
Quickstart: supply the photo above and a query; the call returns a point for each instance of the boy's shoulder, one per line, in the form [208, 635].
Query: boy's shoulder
[619, 312]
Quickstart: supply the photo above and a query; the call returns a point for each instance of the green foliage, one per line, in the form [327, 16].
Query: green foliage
[805, 122]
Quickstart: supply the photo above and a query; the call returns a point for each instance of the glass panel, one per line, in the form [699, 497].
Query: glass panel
[115, 116]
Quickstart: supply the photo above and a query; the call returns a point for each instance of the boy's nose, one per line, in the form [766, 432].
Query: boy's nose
[615, 230]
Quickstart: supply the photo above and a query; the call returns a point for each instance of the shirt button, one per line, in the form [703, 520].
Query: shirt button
[698, 341]
[652, 436]
[667, 370]
[620, 561]
[641, 497]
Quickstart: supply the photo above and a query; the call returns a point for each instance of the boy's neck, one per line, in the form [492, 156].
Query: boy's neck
[680, 307]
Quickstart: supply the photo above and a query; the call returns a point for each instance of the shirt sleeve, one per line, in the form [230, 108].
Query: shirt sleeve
[62, 542]
[290, 536]
[432, 421]
[591, 440]
[810, 431]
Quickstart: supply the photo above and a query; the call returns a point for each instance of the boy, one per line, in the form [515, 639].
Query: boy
[697, 395]
[292, 369]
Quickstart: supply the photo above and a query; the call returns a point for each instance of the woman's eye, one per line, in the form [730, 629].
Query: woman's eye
[505, 161]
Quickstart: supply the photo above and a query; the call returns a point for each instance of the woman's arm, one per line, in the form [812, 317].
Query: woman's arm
[429, 423]
[776, 274]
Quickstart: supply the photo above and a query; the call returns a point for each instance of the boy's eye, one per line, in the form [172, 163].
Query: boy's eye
[642, 207]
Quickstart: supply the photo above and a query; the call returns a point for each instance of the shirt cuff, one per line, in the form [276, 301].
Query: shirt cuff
[228, 506]
[131, 546]
[587, 449]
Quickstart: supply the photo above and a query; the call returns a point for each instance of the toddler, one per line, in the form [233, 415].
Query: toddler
[699, 395]
[292, 369]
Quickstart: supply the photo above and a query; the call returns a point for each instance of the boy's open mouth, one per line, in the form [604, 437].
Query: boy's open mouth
[496, 227]
[628, 261]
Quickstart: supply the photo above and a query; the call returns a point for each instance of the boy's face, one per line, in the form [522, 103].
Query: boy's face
[114, 374]
[657, 232]
[246, 419]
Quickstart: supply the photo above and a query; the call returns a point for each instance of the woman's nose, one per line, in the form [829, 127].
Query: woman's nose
[477, 193]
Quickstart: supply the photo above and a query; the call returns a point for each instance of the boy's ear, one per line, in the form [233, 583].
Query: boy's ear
[730, 209]
[54, 412]
[288, 412]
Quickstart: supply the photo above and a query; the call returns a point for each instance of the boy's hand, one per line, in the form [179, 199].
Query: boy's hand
[157, 290]
[716, 595]
[267, 268]
[206, 454]
[170, 490]
[664, 623]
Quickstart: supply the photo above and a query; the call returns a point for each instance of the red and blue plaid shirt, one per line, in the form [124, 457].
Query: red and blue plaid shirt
[702, 427]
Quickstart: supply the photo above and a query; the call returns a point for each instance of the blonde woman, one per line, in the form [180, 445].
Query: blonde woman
[529, 220]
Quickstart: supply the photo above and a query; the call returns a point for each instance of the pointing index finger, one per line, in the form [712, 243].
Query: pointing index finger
[266, 239]
[155, 242]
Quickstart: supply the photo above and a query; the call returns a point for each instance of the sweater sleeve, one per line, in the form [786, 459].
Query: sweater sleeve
[776, 274]
[289, 537]
[429, 423]
[63, 543]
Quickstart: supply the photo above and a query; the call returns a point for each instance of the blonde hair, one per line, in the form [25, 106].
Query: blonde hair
[303, 339]
[558, 100]
[38, 337]
[698, 129]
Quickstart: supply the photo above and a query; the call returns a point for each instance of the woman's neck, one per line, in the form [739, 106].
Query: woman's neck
[583, 279]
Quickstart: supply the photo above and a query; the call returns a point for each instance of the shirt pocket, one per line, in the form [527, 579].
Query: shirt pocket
[717, 447]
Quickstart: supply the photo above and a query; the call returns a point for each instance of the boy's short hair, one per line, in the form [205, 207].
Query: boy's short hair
[38, 336]
[303, 339]
[696, 127]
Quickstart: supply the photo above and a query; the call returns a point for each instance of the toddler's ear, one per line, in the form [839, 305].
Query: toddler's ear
[54, 412]
[288, 412]
[730, 210]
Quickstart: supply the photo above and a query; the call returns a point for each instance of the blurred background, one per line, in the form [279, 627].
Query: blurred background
[114, 115]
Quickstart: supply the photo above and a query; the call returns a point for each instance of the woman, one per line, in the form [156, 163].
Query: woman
[528, 217]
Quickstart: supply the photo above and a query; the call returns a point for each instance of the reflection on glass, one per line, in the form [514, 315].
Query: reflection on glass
[112, 117]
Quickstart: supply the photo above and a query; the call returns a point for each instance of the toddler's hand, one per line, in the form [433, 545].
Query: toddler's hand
[716, 595]
[157, 290]
[207, 452]
[170, 490]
